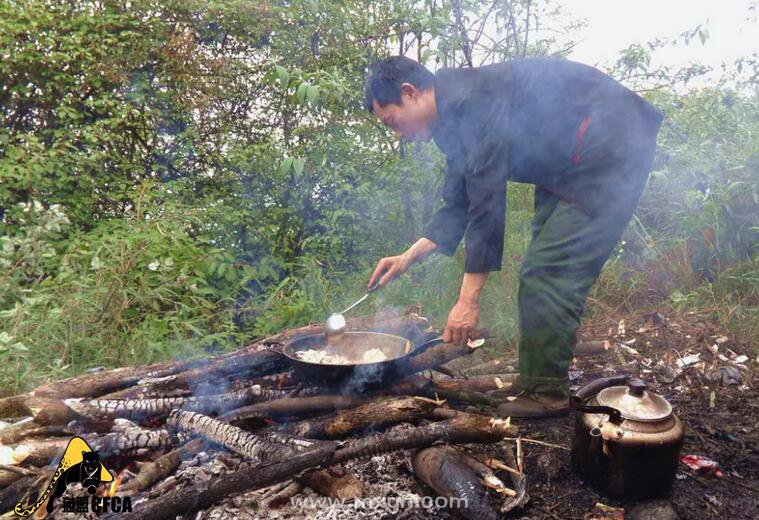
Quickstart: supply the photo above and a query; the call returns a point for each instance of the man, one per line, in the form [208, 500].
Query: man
[583, 139]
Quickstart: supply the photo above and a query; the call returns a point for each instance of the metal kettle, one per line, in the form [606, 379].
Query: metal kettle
[627, 439]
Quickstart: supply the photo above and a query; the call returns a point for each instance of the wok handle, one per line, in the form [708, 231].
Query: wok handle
[482, 334]
[424, 346]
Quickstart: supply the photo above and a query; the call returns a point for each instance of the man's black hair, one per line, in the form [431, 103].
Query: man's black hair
[387, 76]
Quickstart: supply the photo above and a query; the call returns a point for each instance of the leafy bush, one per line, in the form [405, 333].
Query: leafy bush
[127, 291]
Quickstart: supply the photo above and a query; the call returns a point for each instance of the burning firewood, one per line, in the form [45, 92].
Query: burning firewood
[464, 429]
[444, 472]
[161, 407]
[125, 443]
[39, 452]
[162, 467]
[257, 448]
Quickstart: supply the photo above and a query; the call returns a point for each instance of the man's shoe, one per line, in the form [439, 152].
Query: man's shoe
[534, 406]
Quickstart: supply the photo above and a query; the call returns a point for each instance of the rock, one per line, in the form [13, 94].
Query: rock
[652, 510]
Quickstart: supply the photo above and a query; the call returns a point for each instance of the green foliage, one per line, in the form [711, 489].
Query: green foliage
[178, 177]
[126, 291]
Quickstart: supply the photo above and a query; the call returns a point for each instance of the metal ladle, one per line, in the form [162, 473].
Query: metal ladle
[336, 321]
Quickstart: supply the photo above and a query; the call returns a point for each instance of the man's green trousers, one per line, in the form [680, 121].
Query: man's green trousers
[568, 250]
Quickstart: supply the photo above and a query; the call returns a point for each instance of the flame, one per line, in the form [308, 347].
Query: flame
[116, 483]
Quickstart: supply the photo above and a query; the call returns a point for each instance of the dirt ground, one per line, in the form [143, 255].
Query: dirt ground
[720, 418]
[713, 393]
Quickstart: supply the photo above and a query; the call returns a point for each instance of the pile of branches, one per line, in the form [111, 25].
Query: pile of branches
[285, 429]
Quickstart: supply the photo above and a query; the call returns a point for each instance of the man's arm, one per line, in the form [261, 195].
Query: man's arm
[486, 195]
[485, 184]
[420, 250]
[449, 223]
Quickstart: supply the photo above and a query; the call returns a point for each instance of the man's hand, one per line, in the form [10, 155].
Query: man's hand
[462, 322]
[391, 267]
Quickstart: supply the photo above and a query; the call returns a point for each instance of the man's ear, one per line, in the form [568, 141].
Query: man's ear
[410, 90]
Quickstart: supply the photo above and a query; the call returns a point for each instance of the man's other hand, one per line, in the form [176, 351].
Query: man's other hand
[390, 268]
[462, 322]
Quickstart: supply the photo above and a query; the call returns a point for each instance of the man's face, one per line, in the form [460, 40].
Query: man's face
[411, 119]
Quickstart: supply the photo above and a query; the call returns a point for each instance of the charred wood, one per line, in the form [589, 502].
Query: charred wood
[258, 449]
[293, 407]
[162, 467]
[465, 429]
[376, 413]
[450, 477]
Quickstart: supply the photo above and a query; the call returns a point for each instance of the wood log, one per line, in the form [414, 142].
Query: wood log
[17, 431]
[44, 398]
[130, 442]
[12, 494]
[519, 480]
[140, 409]
[293, 407]
[505, 365]
[162, 467]
[9, 474]
[465, 429]
[494, 366]
[489, 479]
[376, 413]
[461, 429]
[450, 477]
[481, 384]
[332, 483]
[259, 449]
[13, 406]
[99, 383]
[41, 451]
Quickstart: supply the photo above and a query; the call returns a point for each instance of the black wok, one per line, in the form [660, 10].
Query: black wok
[352, 345]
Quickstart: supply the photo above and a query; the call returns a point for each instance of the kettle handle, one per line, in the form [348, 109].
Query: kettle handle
[577, 400]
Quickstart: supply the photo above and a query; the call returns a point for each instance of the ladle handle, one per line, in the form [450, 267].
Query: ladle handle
[364, 297]
[274, 347]
[424, 346]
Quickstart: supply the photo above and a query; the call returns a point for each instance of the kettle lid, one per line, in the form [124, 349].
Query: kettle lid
[635, 402]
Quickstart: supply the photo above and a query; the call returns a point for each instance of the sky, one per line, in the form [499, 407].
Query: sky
[615, 24]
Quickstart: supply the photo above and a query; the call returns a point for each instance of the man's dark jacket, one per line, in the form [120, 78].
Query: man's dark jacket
[561, 125]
